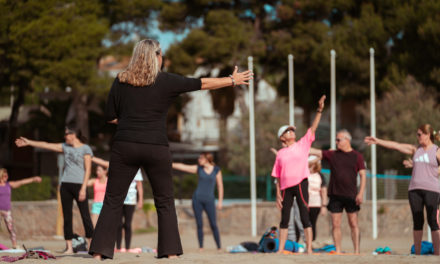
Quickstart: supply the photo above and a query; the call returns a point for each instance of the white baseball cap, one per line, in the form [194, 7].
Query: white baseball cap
[283, 129]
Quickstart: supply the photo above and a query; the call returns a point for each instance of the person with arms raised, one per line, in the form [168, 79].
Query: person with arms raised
[138, 103]
[423, 190]
[291, 169]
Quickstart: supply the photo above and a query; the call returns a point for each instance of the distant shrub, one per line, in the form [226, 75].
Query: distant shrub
[33, 191]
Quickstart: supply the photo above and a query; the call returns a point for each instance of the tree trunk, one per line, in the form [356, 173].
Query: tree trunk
[8, 141]
[78, 115]
[223, 137]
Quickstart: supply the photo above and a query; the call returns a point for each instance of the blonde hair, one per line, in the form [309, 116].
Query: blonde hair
[2, 171]
[427, 129]
[144, 64]
[315, 167]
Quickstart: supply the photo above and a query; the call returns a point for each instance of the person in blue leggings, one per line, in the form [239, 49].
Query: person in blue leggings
[203, 198]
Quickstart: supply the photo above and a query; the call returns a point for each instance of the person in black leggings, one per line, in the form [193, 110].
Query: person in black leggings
[203, 198]
[131, 202]
[138, 103]
[424, 189]
[77, 169]
[291, 171]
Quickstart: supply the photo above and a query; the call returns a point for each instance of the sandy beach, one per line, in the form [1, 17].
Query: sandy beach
[400, 247]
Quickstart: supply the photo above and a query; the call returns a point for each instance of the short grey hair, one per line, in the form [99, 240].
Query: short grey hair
[347, 134]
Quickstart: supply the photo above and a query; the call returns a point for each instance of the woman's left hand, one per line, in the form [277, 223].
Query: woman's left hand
[219, 205]
[242, 77]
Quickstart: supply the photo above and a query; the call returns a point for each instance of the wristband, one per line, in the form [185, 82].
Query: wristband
[232, 79]
[319, 110]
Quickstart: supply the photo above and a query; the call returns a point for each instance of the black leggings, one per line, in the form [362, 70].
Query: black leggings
[125, 160]
[126, 219]
[313, 214]
[301, 192]
[423, 198]
[68, 193]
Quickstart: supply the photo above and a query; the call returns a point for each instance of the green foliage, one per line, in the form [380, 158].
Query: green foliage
[33, 191]
[52, 43]
[404, 34]
[48, 122]
[184, 185]
[399, 113]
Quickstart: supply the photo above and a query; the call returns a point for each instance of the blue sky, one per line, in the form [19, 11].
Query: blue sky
[166, 38]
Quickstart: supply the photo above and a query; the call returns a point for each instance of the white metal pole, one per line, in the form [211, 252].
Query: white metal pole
[429, 234]
[252, 152]
[332, 99]
[373, 146]
[291, 91]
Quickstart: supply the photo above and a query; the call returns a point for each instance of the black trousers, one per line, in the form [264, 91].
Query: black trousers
[125, 160]
[68, 193]
[127, 217]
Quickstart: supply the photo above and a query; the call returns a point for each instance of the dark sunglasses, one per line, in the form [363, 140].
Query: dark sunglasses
[338, 140]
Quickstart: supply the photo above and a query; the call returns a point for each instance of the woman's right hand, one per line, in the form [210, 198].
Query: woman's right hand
[241, 77]
[22, 142]
[371, 140]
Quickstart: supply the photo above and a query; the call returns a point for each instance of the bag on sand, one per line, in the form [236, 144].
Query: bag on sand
[427, 248]
[79, 243]
[271, 232]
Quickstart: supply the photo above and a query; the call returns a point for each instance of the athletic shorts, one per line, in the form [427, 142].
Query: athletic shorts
[96, 207]
[338, 203]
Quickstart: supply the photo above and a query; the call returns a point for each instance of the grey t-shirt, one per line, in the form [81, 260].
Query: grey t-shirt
[74, 163]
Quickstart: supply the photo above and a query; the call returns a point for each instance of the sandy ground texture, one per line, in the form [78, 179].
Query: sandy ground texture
[400, 247]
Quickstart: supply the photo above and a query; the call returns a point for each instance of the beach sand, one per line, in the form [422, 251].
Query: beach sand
[400, 247]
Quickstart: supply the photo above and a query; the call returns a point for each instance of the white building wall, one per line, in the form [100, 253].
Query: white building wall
[201, 124]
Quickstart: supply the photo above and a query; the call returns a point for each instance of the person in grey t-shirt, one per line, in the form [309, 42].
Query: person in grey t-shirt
[423, 191]
[77, 168]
